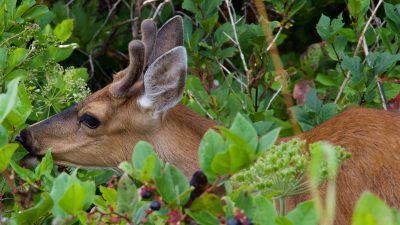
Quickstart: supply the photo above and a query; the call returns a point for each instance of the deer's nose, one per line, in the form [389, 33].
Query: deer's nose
[25, 138]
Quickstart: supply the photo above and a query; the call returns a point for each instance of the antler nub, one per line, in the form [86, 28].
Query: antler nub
[134, 70]
[149, 35]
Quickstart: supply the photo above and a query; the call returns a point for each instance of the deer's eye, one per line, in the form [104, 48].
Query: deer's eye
[89, 121]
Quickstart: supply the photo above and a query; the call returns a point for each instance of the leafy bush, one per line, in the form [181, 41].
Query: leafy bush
[231, 72]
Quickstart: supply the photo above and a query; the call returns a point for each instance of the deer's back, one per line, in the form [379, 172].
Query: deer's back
[372, 137]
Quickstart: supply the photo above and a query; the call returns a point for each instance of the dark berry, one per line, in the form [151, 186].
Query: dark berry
[155, 205]
[234, 221]
[146, 194]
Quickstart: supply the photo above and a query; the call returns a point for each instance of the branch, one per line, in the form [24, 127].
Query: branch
[278, 65]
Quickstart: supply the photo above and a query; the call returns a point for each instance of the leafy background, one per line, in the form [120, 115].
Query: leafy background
[336, 54]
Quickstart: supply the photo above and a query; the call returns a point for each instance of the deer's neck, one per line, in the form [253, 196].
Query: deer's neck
[178, 140]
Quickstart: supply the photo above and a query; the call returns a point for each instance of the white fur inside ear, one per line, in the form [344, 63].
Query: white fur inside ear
[145, 102]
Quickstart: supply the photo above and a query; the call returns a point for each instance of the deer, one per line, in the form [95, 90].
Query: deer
[143, 103]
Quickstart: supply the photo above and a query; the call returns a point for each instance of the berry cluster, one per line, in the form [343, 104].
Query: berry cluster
[239, 218]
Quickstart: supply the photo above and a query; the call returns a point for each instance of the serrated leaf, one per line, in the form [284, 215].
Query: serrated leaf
[354, 65]
[358, 8]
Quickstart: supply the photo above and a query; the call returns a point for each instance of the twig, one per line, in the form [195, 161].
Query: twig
[159, 7]
[275, 38]
[236, 41]
[273, 97]
[106, 20]
[10, 180]
[360, 40]
[382, 94]
[201, 107]
[278, 65]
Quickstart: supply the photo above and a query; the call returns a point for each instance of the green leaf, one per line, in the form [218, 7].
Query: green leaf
[392, 13]
[61, 52]
[243, 128]
[16, 57]
[45, 166]
[60, 186]
[35, 12]
[209, 202]
[236, 139]
[41, 209]
[63, 30]
[209, 23]
[127, 196]
[323, 27]
[370, 210]
[283, 221]
[203, 217]
[3, 137]
[190, 6]
[264, 213]
[25, 5]
[171, 184]
[141, 151]
[23, 173]
[297, 5]
[354, 65]
[211, 144]
[304, 214]
[312, 101]
[73, 199]
[268, 140]
[358, 8]
[327, 111]
[3, 59]
[145, 161]
[22, 108]
[230, 161]
[327, 29]
[381, 62]
[6, 153]
[109, 194]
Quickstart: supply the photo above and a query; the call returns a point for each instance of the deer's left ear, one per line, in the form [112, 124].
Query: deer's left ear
[164, 81]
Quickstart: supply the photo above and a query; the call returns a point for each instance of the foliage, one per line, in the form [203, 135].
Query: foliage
[230, 72]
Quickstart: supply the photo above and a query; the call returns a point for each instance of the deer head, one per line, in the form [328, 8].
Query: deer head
[140, 104]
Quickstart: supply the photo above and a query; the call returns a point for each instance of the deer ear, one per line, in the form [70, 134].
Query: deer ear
[164, 81]
[170, 35]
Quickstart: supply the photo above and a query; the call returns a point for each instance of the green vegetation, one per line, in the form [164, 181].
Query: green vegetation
[335, 55]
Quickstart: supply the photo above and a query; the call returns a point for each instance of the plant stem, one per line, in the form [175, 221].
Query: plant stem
[282, 206]
[278, 65]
